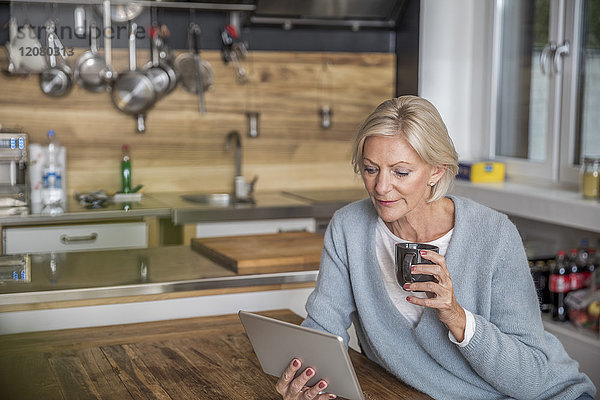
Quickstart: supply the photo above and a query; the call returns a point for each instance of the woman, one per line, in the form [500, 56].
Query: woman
[477, 332]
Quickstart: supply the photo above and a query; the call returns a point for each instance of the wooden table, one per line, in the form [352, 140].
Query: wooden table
[196, 358]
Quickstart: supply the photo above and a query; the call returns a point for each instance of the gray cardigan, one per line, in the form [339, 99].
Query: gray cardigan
[509, 356]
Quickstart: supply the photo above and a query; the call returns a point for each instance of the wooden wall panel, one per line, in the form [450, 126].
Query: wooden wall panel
[183, 150]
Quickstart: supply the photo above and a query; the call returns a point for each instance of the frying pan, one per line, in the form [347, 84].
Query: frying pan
[91, 66]
[132, 91]
[195, 74]
[57, 80]
[163, 77]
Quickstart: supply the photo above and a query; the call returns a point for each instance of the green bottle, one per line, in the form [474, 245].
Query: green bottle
[125, 169]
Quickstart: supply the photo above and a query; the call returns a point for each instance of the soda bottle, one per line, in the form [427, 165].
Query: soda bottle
[559, 287]
[575, 271]
[539, 273]
[52, 174]
[546, 304]
[591, 271]
[583, 261]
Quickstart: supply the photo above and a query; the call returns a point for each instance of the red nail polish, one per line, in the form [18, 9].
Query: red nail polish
[423, 252]
[332, 396]
[408, 298]
[309, 372]
[406, 286]
[296, 363]
[412, 269]
[321, 385]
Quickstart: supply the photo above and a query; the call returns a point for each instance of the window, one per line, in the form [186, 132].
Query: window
[546, 86]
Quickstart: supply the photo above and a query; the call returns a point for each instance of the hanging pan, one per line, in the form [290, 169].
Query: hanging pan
[159, 71]
[132, 91]
[195, 74]
[91, 66]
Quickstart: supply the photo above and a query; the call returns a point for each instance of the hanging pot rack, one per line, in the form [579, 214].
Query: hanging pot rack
[164, 4]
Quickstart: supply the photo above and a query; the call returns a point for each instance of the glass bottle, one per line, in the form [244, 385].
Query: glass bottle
[575, 271]
[125, 169]
[559, 287]
[52, 193]
[590, 178]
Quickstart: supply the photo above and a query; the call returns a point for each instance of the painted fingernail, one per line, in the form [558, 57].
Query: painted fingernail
[413, 268]
[309, 372]
[423, 252]
[408, 298]
[406, 286]
[332, 396]
[296, 363]
[321, 385]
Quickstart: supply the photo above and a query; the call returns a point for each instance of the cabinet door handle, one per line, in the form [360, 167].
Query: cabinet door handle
[78, 239]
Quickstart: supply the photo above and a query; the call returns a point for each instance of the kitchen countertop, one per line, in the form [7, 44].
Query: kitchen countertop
[196, 358]
[80, 276]
[268, 205]
[148, 207]
[546, 203]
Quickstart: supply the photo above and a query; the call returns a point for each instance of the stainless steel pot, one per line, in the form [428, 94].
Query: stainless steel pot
[133, 92]
[57, 80]
[159, 71]
[91, 66]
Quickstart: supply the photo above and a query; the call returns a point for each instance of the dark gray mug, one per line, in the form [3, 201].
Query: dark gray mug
[407, 255]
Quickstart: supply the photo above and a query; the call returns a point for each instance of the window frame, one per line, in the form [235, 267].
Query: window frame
[558, 166]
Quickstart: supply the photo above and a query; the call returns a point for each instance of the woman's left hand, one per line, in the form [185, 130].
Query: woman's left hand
[441, 293]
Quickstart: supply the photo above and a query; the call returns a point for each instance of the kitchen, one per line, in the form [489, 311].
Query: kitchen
[292, 78]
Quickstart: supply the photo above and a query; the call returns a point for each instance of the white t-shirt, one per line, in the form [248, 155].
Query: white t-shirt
[385, 249]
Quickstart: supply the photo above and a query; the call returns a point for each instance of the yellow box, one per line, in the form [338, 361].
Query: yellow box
[481, 171]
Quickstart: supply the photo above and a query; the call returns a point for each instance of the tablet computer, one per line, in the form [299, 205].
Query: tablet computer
[277, 342]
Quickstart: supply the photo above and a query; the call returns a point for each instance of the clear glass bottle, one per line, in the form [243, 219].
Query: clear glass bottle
[590, 178]
[52, 174]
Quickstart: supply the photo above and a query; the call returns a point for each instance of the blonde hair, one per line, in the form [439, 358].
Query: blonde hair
[418, 122]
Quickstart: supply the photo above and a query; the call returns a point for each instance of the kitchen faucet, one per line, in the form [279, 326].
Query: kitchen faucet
[242, 190]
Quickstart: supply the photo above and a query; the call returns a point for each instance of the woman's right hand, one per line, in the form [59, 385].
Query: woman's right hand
[295, 388]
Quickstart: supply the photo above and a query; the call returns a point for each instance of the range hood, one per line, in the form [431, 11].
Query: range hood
[355, 14]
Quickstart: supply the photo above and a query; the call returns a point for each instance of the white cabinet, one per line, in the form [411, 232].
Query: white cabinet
[62, 238]
[236, 228]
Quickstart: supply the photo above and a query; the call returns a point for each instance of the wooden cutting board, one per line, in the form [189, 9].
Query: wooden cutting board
[266, 253]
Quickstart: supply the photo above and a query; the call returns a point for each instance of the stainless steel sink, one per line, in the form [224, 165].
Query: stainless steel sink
[210, 199]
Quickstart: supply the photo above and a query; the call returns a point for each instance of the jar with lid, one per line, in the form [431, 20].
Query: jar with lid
[590, 177]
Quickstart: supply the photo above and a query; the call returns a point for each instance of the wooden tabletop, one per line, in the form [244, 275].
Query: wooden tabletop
[196, 358]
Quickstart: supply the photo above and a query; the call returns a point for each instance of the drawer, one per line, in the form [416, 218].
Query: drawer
[254, 227]
[43, 239]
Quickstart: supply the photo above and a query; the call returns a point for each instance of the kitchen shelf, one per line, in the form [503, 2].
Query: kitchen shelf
[163, 4]
[546, 203]
[588, 337]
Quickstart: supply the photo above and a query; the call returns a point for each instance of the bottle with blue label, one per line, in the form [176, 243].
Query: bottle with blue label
[52, 178]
